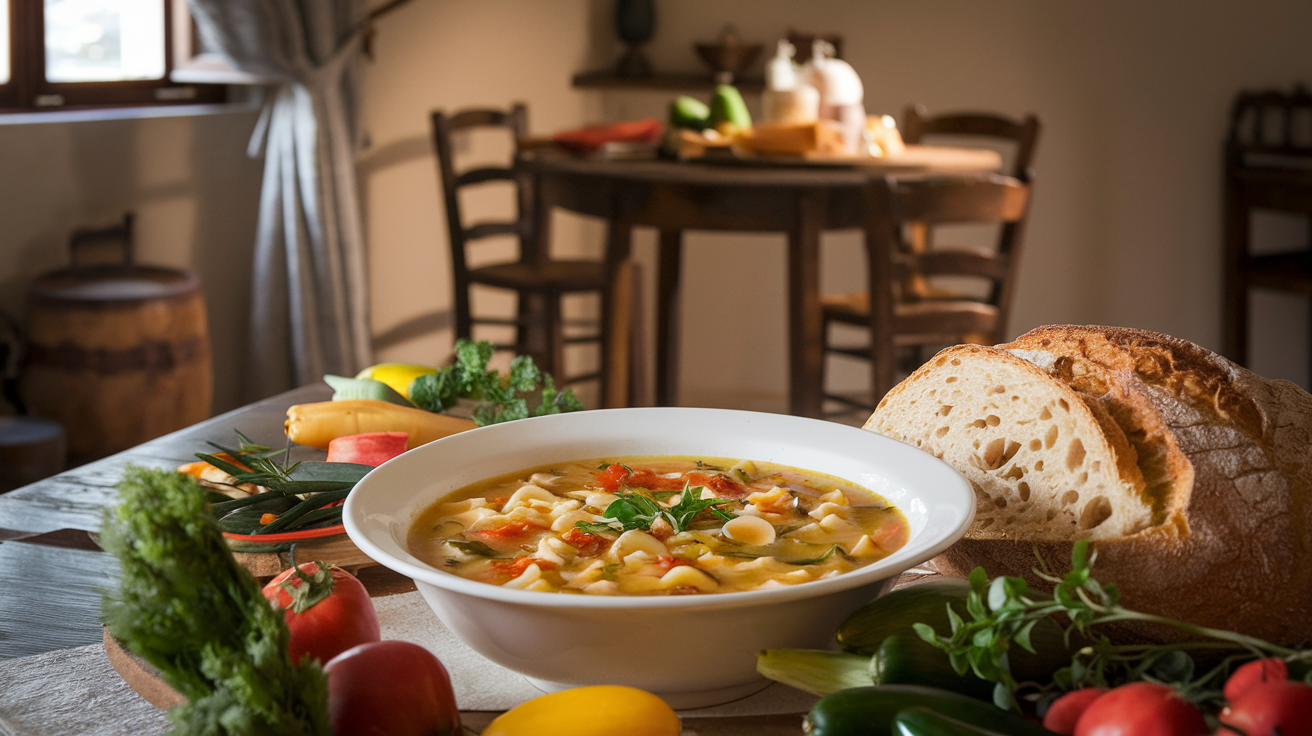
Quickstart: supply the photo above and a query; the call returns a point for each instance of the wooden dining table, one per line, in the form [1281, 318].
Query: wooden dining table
[799, 197]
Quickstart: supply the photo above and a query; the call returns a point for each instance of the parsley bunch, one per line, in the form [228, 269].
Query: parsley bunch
[1004, 611]
[190, 610]
[501, 398]
[633, 510]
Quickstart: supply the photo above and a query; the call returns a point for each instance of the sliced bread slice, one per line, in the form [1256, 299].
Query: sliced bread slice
[1045, 465]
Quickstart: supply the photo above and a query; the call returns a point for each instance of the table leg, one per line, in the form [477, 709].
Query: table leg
[617, 307]
[668, 288]
[805, 323]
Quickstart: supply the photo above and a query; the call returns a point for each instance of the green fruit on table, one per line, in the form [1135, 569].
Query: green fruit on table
[689, 112]
[926, 602]
[727, 106]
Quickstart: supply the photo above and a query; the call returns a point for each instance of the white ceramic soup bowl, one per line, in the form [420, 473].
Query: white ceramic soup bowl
[692, 650]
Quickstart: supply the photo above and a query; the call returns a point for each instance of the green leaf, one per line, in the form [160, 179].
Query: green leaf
[1022, 637]
[979, 580]
[1004, 698]
[926, 632]
[998, 594]
[472, 547]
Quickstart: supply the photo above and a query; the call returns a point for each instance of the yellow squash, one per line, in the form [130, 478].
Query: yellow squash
[397, 375]
[318, 424]
[599, 710]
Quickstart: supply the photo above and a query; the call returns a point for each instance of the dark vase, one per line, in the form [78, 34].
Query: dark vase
[635, 22]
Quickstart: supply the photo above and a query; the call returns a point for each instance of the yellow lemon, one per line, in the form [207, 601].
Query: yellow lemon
[599, 710]
[396, 375]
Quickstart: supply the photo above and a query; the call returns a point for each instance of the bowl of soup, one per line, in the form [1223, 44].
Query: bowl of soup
[659, 548]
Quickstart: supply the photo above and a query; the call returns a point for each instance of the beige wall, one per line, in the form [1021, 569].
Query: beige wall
[190, 184]
[1125, 228]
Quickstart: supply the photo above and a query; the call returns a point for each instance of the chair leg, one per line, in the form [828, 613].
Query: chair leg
[554, 330]
[668, 274]
[532, 335]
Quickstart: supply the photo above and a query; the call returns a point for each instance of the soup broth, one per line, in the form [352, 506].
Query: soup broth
[656, 525]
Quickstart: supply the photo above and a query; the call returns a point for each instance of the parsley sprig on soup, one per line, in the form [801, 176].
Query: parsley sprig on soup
[657, 525]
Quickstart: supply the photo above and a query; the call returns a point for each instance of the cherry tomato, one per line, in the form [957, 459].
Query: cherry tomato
[1065, 711]
[1281, 708]
[390, 687]
[328, 611]
[1253, 674]
[1141, 709]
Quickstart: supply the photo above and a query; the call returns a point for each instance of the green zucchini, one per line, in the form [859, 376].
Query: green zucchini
[869, 711]
[925, 722]
[816, 671]
[926, 602]
[906, 659]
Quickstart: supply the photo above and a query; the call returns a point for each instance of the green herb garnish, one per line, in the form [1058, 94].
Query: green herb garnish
[472, 547]
[1004, 611]
[633, 510]
[501, 398]
[189, 609]
[817, 560]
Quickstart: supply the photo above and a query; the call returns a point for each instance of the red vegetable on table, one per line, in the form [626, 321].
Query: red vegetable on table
[1065, 711]
[370, 448]
[1252, 674]
[1281, 708]
[1141, 709]
[328, 611]
[390, 687]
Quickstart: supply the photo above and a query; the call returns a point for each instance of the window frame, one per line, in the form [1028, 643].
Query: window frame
[29, 91]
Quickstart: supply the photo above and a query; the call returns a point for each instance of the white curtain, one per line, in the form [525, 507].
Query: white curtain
[310, 295]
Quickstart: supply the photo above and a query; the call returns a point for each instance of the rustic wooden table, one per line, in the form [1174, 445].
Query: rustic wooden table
[801, 200]
[51, 572]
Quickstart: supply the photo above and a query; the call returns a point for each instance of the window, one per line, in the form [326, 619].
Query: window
[95, 53]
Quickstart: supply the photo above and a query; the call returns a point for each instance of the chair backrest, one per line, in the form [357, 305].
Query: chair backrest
[892, 204]
[1270, 122]
[916, 124]
[515, 122]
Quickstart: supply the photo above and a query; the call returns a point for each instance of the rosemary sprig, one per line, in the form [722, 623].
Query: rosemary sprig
[1005, 610]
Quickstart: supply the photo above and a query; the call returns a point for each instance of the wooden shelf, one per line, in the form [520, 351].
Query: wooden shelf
[673, 82]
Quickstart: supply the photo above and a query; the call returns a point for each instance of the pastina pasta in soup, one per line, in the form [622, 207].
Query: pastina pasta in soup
[656, 525]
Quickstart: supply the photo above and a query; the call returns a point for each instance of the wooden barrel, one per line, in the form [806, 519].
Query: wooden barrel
[117, 354]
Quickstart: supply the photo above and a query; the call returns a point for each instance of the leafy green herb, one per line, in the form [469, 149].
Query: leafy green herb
[501, 398]
[817, 560]
[1004, 611]
[472, 547]
[190, 610]
[633, 510]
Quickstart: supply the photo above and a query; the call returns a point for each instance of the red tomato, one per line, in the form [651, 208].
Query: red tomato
[1065, 711]
[390, 687]
[587, 543]
[516, 566]
[510, 530]
[1281, 708]
[1253, 674]
[1141, 709]
[370, 448]
[326, 615]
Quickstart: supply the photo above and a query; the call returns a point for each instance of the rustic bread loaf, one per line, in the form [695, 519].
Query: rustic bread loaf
[1222, 457]
[1009, 428]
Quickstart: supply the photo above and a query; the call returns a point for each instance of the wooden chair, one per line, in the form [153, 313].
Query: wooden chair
[1267, 156]
[1024, 134]
[894, 321]
[538, 280]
